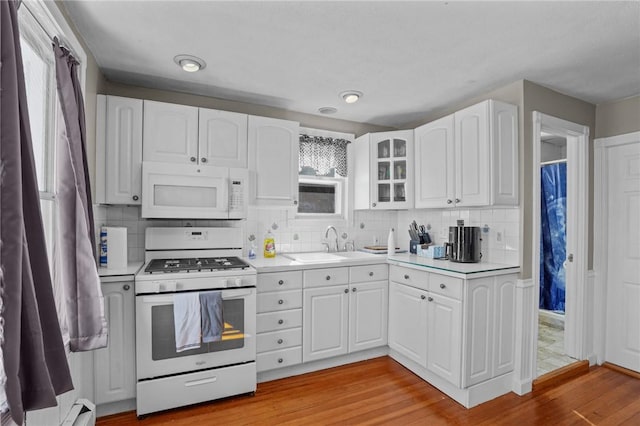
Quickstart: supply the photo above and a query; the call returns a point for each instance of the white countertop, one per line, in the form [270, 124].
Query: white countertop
[131, 269]
[461, 270]
[281, 263]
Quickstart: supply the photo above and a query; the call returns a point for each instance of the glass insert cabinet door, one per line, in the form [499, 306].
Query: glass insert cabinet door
[391, 169]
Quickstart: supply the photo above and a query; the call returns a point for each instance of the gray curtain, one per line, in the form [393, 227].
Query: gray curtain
[323, 156]
[33, 353]
[75, 270]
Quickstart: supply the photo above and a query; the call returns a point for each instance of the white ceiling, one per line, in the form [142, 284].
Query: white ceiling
[408, 58]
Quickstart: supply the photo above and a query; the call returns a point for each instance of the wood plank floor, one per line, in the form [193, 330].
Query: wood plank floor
[381, 391]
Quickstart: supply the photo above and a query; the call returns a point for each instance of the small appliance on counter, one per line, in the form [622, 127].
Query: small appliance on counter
[464, 243]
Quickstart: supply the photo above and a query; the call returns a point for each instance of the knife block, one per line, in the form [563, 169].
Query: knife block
[413, 246]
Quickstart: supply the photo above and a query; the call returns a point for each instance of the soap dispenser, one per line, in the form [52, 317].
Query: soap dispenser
[269, 245]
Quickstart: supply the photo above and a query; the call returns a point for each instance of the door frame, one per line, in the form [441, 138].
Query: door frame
[601, 234]
[576, 302]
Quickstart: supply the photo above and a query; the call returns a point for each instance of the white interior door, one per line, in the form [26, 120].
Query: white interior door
[623, 277]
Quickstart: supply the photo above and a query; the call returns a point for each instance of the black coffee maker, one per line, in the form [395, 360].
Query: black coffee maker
[464, 243]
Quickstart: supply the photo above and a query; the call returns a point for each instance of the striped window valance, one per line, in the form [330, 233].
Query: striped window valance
[320, 156]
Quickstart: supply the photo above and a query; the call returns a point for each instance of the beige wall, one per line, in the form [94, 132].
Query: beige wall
[305, 120]
[547, 101]
[618, 117]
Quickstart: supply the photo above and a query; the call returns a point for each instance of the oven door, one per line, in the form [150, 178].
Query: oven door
[156, 354]
[184, 191]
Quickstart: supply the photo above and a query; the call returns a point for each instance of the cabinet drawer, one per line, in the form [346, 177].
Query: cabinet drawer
[446, 286]
[279, 340]
[411, 277]
[280, 320]
[359, 274]
[279, 281]
[278, 359]
[325, 277]
[279, 301]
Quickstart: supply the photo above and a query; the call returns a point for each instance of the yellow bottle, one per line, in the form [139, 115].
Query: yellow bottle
[269, 245]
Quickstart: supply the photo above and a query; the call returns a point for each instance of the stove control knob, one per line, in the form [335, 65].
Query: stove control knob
[238, 282]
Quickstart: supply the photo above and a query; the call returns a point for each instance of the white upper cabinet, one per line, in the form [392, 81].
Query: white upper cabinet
[273, 161]
[384, 163]
[469, 158]
[223, 138]
[118, 150]
[170, 133]
[190, 135]
[435, 163]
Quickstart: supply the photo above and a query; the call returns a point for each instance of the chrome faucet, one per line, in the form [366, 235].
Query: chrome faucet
[326, 236]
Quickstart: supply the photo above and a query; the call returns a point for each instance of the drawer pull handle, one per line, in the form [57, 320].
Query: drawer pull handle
[353, 289]
[280, 282]
[422, 296]
[346, 290]
[280, 302]
[280, 360]
[280, 341]
[280, 321]
[442, 286]
[406, 277]
[328, 277]
[370, 274]
[201, 382]
[430, 299]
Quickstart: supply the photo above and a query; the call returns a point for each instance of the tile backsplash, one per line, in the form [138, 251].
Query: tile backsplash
[500, 242]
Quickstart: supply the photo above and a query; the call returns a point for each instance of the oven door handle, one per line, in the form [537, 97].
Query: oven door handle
[168, 298]
[236, 294]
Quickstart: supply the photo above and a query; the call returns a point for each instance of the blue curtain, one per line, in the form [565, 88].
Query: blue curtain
[553, 236]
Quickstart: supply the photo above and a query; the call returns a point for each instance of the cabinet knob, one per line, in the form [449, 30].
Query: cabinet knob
[280, 360]
[458, 200]
[135, 198]
[430, 299]
[422, 296]
[406, 277]
[280, 321]
[295, 202]
[280, 341]
[203, 160]
[280, 302]
[370, 274]
[328, 277]
[353, 289]
[449, 201]
[346, 290]
[193, 159]
[373, 205]
[442, 286]
[126, 287]
[280, 282]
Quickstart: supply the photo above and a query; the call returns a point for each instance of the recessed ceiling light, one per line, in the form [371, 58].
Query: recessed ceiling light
[351, 96]
[189, 63]
[327, 110]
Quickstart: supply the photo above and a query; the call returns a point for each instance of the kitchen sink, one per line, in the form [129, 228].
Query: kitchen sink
[312, 257]
[324, 257]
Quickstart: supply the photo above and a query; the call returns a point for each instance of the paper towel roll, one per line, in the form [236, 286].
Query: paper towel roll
[116, 247]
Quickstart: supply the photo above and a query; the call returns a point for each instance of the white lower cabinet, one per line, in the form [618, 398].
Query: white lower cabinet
[279, 320]
[460, 330]
[407, 318]
[115, 374]
[348, 315]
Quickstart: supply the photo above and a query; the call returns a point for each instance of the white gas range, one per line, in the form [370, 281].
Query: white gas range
[189, 260]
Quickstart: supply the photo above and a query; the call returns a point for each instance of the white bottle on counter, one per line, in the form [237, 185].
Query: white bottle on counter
[391, 243]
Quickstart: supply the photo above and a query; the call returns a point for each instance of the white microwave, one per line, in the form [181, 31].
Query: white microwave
[185, 191]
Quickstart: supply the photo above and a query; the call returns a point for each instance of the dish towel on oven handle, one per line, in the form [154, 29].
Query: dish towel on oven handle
[186, 318]
[212, 317]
